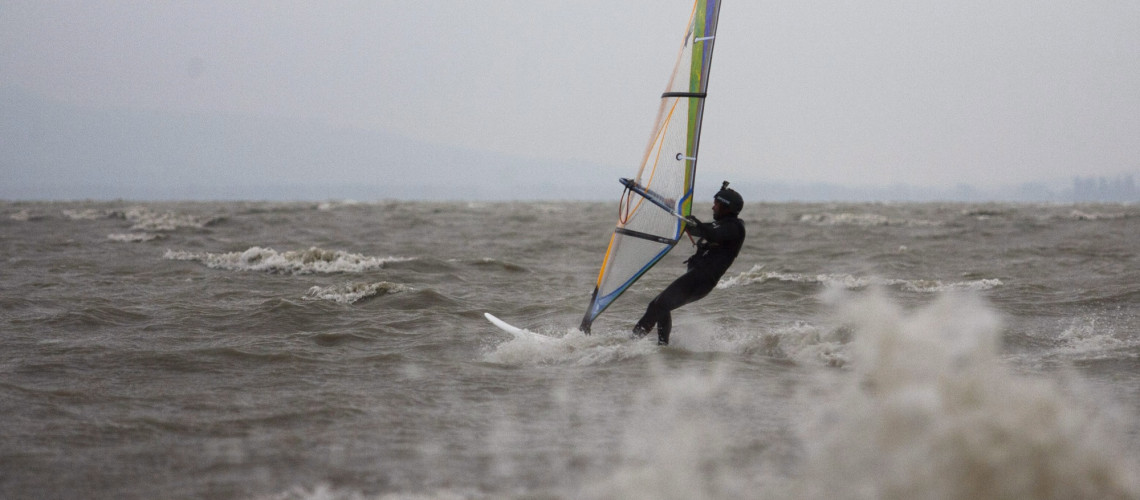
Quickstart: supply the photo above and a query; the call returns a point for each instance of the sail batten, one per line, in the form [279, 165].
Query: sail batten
[646, 232]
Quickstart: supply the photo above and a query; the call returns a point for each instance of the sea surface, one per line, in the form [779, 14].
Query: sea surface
[338, 350]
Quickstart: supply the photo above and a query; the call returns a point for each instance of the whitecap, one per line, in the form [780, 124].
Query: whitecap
[145, 219]
[928, 410]
[349, 293]
[800, 342]
[25, 215]
[313, 260]
[1084, 339]
[935, 286]
[87, 214]
[1081, 215]
[571, 347]
[861, 220]
[757, 275]
[847, 281]
[133, 237]
[337, 204]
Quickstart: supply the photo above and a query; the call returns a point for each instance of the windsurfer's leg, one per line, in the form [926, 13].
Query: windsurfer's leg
[639, 330]
[690, 287]
[650, 319]
[657, 314]
[664, 325]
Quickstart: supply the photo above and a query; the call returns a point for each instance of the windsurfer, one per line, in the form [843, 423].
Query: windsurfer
[719, 243]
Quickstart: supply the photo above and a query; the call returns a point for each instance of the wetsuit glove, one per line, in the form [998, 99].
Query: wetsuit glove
[693, 226]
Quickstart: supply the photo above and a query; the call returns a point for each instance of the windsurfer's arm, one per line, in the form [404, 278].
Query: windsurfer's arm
[715, 232]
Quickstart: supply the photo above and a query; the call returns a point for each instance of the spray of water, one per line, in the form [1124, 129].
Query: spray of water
[930, 412]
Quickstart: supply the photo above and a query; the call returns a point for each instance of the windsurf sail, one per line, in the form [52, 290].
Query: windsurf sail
[651, 211]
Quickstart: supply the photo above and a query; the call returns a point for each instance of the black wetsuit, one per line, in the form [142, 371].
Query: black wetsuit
[719, 244]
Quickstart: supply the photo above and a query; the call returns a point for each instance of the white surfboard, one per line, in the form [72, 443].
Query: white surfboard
[516, 331]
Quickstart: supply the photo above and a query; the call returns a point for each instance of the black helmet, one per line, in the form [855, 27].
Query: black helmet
[729, 198]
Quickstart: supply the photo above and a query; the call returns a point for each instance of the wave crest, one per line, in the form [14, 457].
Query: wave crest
[313, 260]
[349, 293]
[851, 282]
[930, 411]
[862, 220]
[145, 219]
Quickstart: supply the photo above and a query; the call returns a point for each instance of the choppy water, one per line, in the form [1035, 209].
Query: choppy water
[338, 350]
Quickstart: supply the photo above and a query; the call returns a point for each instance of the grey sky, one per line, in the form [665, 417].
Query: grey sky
[869, 92]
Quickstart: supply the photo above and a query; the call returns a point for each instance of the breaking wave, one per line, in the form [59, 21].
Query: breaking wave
[134, 237]
[349, 293]
[90, 214]
[572, 348]
[145, 219]
[861, 220]
[851, 282]
[313, 260]
[930, 411]
[1082, 215]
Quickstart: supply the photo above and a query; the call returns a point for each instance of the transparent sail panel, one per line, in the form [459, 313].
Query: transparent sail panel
[645, 231]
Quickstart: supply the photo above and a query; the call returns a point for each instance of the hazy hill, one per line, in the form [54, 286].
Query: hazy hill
[53, 150]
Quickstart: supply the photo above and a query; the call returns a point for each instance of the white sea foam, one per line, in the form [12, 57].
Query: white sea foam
[89, 214]
[936, 286]
[134, 237]
[845, 219]
[349, 293]
[1084, 339]
[861, 220]
[1082, 215]
[676, 444]
[931, 412]
[145, 219]
[324, 491]
[25, 215]
[926, 409]
[758, 275]
[569, 347]
[337, 204]
[800, 342]
[313, 260]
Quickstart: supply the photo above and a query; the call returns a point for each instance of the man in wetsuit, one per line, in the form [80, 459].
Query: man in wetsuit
[719, 243]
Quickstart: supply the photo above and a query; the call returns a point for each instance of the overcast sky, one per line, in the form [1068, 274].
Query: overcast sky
[869, 92]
